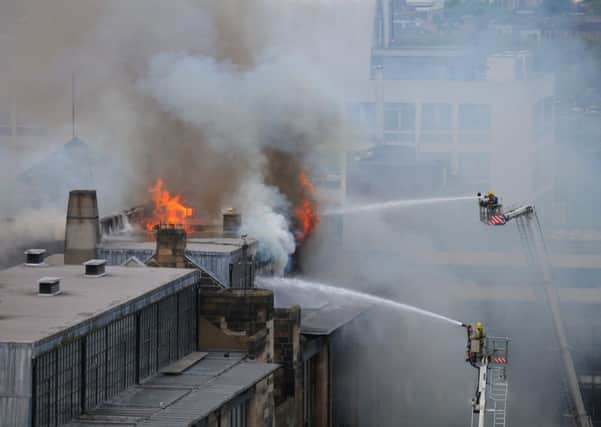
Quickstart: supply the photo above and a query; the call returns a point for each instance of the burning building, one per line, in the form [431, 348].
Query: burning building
[168, 330]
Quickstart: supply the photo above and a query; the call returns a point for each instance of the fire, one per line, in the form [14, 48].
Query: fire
[167, 209]
[306, 211]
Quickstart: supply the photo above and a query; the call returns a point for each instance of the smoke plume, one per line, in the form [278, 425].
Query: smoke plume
[198, 94]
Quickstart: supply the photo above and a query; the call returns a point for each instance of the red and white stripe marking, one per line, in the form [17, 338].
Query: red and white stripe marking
[500, 360]
[497, 220]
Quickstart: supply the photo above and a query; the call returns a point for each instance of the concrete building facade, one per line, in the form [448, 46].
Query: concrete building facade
[483, 116]
[472, 129]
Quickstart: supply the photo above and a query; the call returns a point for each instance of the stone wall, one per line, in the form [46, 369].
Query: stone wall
[322, 388]
[261, 410]
[288, 379]
[171, 247]
[237, 319]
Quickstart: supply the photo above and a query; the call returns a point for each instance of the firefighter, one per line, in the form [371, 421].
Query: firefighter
[477, 342]
[492, 199]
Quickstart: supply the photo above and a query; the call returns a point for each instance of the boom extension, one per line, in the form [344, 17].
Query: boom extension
[491, 213]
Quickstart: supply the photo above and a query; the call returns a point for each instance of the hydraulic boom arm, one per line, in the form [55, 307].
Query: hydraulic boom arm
[534, 242]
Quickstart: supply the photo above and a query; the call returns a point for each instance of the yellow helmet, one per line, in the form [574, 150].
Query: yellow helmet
[479, 325]
[490, 193]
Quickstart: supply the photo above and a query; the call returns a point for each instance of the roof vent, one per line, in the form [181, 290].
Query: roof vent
[49, 286]
[95, 268]
[232, 221]
[35, 257]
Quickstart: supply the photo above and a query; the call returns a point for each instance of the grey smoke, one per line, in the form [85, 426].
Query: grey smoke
[196, 105]
[29, 228]
[280, 103]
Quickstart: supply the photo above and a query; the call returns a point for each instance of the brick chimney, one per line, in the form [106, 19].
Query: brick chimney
[171, 246]
[82, 233]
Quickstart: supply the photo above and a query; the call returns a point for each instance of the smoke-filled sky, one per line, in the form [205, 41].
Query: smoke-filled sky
[197, 93]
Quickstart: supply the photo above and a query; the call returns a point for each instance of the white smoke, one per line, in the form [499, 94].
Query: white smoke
[263, 219]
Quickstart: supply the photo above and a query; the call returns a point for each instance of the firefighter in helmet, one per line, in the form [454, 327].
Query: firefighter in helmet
[492, 199]
[477, 339]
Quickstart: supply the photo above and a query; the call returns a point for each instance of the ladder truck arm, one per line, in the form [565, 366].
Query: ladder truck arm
[523, 211]
[491, 213]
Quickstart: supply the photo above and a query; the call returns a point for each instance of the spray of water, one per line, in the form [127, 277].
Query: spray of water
[393, 204]
[305, 285]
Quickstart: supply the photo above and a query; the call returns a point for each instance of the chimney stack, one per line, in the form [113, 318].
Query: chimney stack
[82, 233]
[232, 221]
[171, 246]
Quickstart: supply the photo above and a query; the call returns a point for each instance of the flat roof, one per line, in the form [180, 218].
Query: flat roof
[180, 400]
[330, 317]
[26, 317]
[209, 245]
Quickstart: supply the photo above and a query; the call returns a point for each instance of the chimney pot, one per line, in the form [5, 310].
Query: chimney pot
[49, 286]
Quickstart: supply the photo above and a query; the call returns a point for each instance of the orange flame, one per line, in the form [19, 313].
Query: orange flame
[167, 209]
[306, 212]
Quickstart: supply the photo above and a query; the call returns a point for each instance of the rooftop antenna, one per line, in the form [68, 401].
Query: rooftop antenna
[73, 104]
[73, 129]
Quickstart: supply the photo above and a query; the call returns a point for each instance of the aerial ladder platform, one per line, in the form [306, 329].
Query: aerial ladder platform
[532, 239]
[489, 404]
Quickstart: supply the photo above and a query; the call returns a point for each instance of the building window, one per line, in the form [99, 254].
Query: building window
[57, 385]
[120, 355]
[437, 117]
[239, 414]
[399, 117]
[167, 351]
[474, 138]
[363, 115]
[148, 364]
[474, 165]
[543, 115]
[95, 368]
[442, 160]
[309, 392]
[474, 117]
[436, 138]
[108, 356]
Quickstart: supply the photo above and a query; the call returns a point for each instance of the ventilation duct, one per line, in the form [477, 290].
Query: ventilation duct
[49, 286]
[35, 257]
[95, 268]
[232, 220]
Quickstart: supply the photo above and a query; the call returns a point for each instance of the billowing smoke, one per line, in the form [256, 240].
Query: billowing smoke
[215, 106]
[244, 116]
[264, 219]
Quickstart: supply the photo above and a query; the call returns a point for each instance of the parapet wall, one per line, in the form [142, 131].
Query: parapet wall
[237, 319]
[288, 353]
